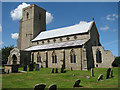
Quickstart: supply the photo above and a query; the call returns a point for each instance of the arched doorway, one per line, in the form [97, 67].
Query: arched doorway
[14, 59]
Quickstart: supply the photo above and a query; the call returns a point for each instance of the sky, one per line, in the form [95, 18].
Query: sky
[63, 14]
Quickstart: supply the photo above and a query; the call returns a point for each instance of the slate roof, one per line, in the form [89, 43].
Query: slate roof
[57, 45]
[75, 29]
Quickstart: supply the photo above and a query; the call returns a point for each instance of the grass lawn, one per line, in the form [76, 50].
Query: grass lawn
[63, 80]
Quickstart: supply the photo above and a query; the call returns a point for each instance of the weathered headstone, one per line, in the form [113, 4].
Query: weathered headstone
[92, 72]
[25, 68]
[52, 70]
[52, 87]
[71, 69]
[111, 73]
[31, 67]
[39, 87]
[100, 77]
[77, 82]
[108, 73]
[37, 67]
[62, 70]
[73, 75]
[56, 70]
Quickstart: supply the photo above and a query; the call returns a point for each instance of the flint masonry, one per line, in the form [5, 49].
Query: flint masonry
[76, 46]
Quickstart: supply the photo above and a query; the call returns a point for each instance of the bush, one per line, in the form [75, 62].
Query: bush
[116, 62]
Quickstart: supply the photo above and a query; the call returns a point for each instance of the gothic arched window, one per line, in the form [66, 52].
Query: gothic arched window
[38, 58]
[98, 56]
[72, 57]
[54, 57]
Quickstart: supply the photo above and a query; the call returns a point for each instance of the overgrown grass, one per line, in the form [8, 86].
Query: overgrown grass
[63, 80]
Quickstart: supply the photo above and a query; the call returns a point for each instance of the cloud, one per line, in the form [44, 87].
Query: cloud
[16, 14]
[81, 22]
[111, 17]
[14, 35]
[49, 17]
[0, 28]
[104, 28]
[1, 42]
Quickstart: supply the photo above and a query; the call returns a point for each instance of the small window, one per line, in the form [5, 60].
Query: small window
[68, 38]
[54, 40]
[75, 37]
[27, 15]
[60, 39]
[48, 40]
[43, 42]
[39, 16]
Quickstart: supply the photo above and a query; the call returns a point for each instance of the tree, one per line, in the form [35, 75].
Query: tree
[5, 53]
[116, 62]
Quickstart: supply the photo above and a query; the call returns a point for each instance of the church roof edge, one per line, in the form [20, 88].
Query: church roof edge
[83, 27]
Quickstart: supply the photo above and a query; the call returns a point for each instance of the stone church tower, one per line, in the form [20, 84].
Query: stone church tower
[32, 23]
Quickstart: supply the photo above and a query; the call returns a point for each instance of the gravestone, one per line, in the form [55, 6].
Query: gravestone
[37, 67]
[11, 68]
[62, 70]
[71, 69]
[52, 70]
[111, 73]
[52, 87]
[77, 82]
[31, 67]
[92, 72]
[108, 73]
[73, 75]
[56, 70]
[100, 77]
[25, 68]
[39, 87]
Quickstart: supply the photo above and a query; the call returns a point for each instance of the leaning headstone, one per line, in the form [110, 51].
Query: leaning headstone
[108, 73]
[39, 87]
[71, 69]
[100, 77]
[25, 68]
[37, 67]
[77, 82]
[31, 67]
[111, 73]
[56, 70]
[52, 70]
[52, 87]
[92, 72]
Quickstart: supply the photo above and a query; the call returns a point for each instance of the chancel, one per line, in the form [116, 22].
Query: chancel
[77, 47]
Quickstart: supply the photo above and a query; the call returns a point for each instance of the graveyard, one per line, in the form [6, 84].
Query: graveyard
[29, 79]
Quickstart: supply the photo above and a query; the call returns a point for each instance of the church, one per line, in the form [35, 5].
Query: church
[77, 47]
